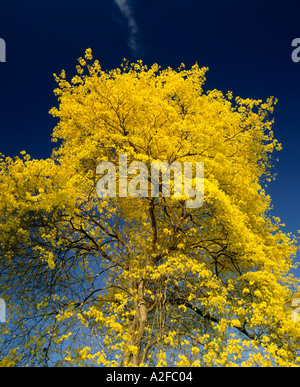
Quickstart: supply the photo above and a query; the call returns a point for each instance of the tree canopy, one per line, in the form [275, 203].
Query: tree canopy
[146, 281]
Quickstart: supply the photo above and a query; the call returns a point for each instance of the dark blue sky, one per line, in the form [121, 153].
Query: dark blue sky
[246, 45]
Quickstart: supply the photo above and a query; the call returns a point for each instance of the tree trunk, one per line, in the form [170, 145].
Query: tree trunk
[138, 326]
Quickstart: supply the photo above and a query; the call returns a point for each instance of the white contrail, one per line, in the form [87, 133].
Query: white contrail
[124, 6]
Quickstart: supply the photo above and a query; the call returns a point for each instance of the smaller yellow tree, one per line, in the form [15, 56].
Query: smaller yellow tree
[146, 281]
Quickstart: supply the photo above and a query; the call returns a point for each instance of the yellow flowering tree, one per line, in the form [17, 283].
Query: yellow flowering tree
[146, 281]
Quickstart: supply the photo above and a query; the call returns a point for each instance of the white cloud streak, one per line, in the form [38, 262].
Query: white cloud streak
[124, 6]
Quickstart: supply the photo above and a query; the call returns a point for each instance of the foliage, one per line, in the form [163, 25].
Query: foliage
[146, 281]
